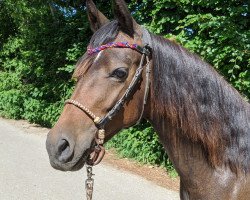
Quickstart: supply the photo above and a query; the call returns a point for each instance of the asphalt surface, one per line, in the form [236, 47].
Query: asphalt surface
[25, 173]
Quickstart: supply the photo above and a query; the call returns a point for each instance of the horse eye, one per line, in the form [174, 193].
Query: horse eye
[120, 73]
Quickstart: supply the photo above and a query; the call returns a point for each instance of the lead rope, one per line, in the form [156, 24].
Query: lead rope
[89, 183]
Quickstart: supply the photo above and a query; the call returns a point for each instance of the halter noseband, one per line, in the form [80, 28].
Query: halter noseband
[101, 122]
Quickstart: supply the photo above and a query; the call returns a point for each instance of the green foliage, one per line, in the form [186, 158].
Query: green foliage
[40, 42]
[38, 57]
[219, 33]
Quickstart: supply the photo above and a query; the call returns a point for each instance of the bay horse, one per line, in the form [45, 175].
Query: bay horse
[129, 73]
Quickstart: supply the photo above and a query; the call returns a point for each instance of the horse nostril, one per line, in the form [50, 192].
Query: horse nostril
[64, 151]
[63, 145]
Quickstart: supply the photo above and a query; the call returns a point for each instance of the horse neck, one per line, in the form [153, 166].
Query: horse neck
[194, 109]
[186, 156]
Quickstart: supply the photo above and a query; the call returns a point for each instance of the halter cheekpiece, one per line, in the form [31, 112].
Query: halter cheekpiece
[100, 122]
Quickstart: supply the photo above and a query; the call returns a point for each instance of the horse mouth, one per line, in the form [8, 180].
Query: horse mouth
[93, 157]
[81, 162]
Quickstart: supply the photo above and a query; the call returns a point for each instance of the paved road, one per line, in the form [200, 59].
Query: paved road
[25, 173]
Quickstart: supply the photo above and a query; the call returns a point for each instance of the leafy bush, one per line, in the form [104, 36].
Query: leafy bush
[11, 104]
[37, 55]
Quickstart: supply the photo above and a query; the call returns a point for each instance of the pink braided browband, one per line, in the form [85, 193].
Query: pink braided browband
[112, 45]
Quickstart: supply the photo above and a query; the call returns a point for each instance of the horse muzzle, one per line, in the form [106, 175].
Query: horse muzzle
[64, 154]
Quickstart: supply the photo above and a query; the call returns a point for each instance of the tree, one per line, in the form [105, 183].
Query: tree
[219, 33]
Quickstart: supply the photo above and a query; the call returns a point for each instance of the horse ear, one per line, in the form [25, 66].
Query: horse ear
[126, 21]
[96, 18]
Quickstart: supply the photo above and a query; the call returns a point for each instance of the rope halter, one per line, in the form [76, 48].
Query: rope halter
[100, 122]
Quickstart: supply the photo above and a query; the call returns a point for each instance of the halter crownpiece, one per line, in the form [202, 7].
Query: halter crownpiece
[136, 47]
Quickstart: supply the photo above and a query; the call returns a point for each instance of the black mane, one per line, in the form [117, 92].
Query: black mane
[105, 34]
[196, 99]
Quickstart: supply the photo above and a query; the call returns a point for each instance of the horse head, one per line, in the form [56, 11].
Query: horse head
[110, 92]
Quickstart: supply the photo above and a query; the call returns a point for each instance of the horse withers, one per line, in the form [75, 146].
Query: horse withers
[129, 74]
